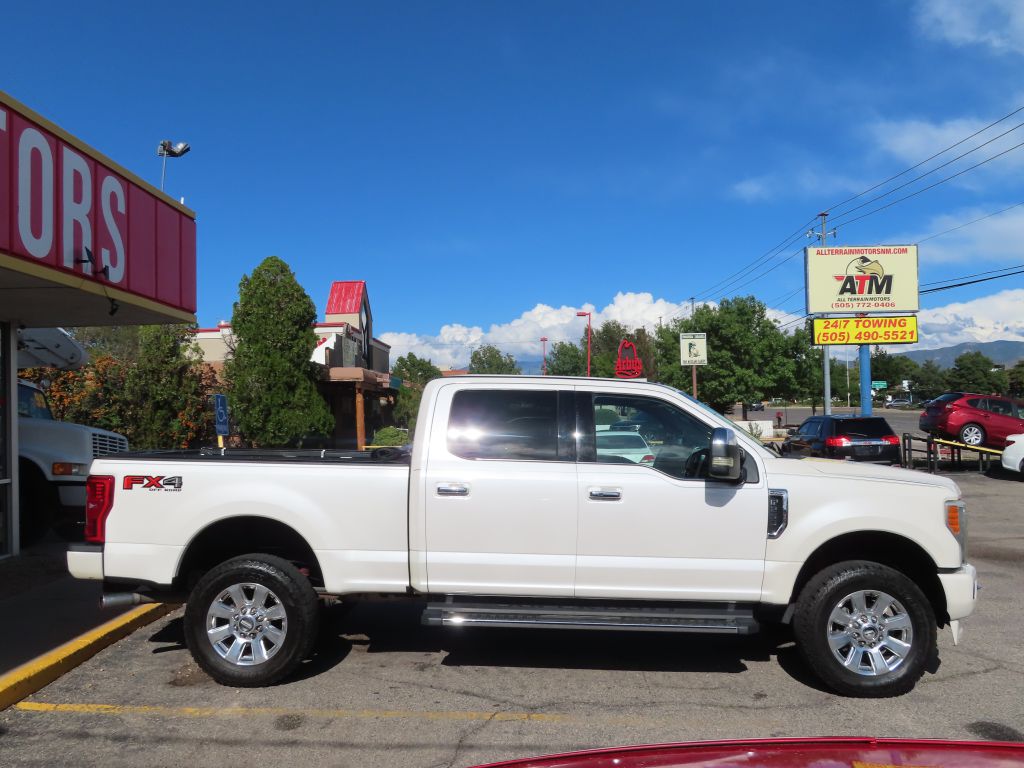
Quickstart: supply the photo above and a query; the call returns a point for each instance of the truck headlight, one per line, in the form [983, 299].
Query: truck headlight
[67, 469]
[956, 522]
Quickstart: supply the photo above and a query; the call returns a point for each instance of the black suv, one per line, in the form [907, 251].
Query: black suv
[853, 438]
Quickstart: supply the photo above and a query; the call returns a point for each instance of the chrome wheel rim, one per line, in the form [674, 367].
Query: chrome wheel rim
[870, 633]
[972, 435]
[246, 624]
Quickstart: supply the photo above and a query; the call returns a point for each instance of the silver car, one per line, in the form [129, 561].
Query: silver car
[631, 446]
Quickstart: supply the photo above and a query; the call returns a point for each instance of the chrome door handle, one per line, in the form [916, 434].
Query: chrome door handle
[452, 489]
[598, 495]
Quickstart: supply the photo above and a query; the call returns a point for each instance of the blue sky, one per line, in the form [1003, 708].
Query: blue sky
[489, 168]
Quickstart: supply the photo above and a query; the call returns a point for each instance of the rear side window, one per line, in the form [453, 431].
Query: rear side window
[976, 402]
[948, 397]
[863, 428]
[1000, 407]
[504, 424]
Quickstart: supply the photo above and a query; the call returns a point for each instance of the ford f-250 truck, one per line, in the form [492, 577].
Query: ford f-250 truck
[508, 512]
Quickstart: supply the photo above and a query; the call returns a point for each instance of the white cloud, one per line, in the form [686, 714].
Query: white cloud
[452, 345]
[988, 318]
[753, 189]
[995, 240]
[995, 24]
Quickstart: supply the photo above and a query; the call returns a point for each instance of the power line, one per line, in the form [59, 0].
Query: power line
[972, 282]
[932, 186]
[975, 221]
[926, 173]
[976, 274]
[926, 160]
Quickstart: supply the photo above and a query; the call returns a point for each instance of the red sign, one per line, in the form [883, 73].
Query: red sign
[628, 365]
[67, 208]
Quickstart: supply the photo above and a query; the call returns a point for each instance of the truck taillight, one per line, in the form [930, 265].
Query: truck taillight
[99, 498]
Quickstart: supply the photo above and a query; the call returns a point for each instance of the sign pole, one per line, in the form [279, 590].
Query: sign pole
[865, 380]
[826, 357]
[694, 369]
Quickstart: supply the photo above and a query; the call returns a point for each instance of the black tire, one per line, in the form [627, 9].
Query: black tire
[823, 599]
[37, 502]
[289, 592]
[972, 434]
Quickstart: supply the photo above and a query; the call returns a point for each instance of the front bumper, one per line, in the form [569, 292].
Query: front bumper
[961, 588]
[85, 561]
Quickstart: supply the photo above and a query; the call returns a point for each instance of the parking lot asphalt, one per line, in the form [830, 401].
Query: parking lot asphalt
[383, 690]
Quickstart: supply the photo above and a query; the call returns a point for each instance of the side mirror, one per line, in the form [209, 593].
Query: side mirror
[726, 455]
[791, 431]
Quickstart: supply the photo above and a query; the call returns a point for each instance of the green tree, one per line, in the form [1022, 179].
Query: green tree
[490, 359]
[414, 372]
[605, 349]
[1015, 376]
[273, 382]
[748, 356]
[892, 369]
[929, 382]
[120, 342]
[567, 359]
[973, 372]
[167, 390]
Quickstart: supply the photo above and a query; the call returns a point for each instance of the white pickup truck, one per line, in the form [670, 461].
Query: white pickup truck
[507, 512]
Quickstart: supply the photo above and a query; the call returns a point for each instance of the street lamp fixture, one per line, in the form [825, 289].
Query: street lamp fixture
[544, 365]
[168, 148]
[588, 316]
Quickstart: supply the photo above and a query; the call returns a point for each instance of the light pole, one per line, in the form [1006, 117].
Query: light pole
[588, 316]
[167, 148]
[544, 365]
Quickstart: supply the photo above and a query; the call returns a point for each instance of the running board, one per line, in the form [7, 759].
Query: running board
[721, 618]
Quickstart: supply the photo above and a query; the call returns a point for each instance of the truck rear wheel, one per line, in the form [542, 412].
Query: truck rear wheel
[251, 621]
[865, 629]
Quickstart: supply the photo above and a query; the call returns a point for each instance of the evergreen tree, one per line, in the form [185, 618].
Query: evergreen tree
[167, 390]
[274, 398]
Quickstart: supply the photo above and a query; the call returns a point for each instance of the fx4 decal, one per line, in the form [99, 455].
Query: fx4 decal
[152, 482]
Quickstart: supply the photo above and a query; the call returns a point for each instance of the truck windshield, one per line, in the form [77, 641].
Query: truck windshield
[32, 403]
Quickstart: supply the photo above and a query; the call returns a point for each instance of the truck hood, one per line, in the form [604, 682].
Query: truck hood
[853, 470]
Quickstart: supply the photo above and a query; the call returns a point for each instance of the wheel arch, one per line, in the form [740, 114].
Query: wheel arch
[889, 549]
[241, 535]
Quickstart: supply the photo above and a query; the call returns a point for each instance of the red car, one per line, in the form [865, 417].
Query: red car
[973, 419]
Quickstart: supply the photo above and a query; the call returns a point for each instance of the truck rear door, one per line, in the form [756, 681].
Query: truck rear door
[499, 491]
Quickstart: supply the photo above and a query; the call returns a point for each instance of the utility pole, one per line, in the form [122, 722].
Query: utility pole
[692, 310]
[825, 351]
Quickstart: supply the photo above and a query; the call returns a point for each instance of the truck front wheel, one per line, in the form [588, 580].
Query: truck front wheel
[251, 621]
[865, 629]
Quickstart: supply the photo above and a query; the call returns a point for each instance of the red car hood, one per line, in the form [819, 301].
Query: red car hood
[792, 753]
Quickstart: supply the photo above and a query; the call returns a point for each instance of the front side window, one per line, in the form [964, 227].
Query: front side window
[504, 424]
[32, 403]
[643, 430]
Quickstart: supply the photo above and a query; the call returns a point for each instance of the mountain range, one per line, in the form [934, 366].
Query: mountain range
[1005, 352]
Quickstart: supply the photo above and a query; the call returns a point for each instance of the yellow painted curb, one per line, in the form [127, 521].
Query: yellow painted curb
[31, 676]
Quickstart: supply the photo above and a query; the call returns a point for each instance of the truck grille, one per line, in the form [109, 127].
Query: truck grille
[102, 445]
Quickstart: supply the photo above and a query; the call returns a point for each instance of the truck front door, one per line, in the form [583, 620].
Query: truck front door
[662, 529]
[499, 493]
